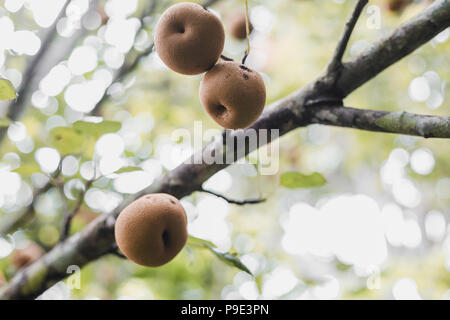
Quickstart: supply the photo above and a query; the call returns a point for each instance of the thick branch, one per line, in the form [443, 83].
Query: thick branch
[97, 239]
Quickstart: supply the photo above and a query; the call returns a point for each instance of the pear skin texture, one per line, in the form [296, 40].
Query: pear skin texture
[238, 28]
[152, 230]
[26, 256]
[233, 95]
[189, 39]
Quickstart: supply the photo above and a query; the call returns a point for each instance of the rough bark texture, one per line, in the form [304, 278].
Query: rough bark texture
[17, 107]
[315, 103]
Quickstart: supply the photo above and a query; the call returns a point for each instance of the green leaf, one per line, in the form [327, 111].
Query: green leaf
[230, 259]
[66, 140]
[5, 122]
[197, 242]
[294, 180]
[128, 169]
[96, 129]
[28, 169]
[7, 91]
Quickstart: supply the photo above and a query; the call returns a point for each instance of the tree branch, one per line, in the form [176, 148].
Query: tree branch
[122, 72]
[336, 60]
[237, 202]
[287, 114]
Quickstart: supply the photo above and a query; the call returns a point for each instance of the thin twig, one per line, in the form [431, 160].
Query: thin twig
[336, 60]
[238, 202]
[285, 114]
[11, 223]
[123, 71]
[247, 32]
[225, 58]
[128, 68]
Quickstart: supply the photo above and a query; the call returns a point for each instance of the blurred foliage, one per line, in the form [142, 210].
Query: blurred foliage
[295, 180]
[7, 91]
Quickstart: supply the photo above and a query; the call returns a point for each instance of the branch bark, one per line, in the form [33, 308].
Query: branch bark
[299, 109]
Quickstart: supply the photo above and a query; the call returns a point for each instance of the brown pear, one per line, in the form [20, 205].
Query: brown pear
[189, 39]
[233, 95]
[152, 230]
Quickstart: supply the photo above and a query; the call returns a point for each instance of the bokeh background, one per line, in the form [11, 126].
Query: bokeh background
[377, 229]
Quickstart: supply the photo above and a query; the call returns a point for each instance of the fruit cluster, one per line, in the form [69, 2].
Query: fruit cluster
[189, 39]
